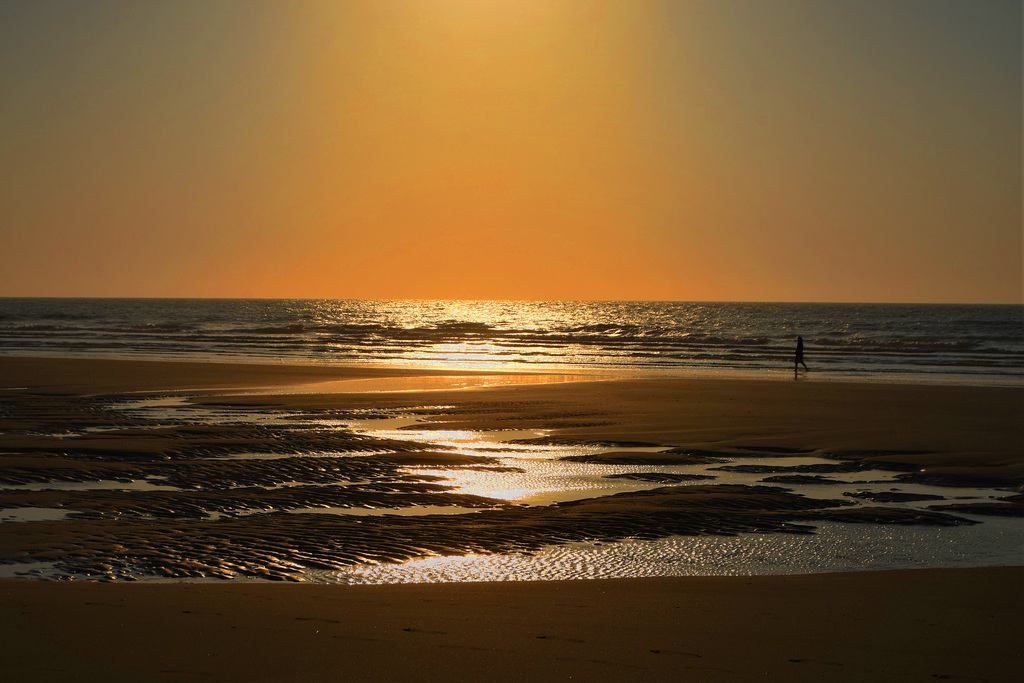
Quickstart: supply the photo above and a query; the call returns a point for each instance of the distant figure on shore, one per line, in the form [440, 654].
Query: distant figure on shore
[798, 358]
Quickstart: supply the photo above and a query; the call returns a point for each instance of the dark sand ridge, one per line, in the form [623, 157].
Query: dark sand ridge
[277, 546]
[912, 626]
[888, 626]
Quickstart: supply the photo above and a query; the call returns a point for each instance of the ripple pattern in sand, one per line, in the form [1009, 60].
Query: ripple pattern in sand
[164, 488]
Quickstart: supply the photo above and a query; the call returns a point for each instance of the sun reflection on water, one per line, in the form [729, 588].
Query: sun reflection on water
[511, 486]
[834, 547]
[468, 355]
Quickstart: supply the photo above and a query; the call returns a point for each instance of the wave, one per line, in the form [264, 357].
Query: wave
[627, 334]
[284, 329]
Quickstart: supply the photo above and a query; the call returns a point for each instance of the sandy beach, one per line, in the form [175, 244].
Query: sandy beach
[910, 625]
[879, 626]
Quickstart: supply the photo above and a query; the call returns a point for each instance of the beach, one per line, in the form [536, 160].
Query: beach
[877, 626]
[61, 423]
[511, 341]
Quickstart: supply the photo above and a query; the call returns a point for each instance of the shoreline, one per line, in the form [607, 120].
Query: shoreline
[815, 375]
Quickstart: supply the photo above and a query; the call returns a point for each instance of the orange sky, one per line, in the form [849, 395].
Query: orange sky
[515, 149]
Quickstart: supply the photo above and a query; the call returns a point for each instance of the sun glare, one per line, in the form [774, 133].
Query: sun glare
[498, 485]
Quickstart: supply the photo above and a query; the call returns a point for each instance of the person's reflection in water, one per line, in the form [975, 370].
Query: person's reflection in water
[798, 358]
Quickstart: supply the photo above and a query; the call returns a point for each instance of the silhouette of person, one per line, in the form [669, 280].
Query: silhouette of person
[798, 358]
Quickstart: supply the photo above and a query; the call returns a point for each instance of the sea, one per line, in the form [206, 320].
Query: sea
[976, 344]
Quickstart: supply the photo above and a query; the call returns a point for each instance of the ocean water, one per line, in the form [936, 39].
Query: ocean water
[893, 342]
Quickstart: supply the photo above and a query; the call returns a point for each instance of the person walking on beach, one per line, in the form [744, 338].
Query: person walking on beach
[798, 358]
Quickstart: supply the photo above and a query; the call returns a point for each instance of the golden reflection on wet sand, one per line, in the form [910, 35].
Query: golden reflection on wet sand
[428, 383]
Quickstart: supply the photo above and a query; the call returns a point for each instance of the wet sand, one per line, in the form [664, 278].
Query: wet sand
[920, 625]
[106, 376]
[942, 429]
[923, 625]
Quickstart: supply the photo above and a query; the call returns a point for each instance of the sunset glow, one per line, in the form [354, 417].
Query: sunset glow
[788, 150]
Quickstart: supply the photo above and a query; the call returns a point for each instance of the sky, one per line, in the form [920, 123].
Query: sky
[720, 150]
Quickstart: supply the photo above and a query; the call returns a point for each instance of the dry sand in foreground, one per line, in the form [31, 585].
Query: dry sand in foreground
[924, 625]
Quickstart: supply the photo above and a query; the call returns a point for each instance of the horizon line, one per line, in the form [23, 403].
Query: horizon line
[396, 299]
